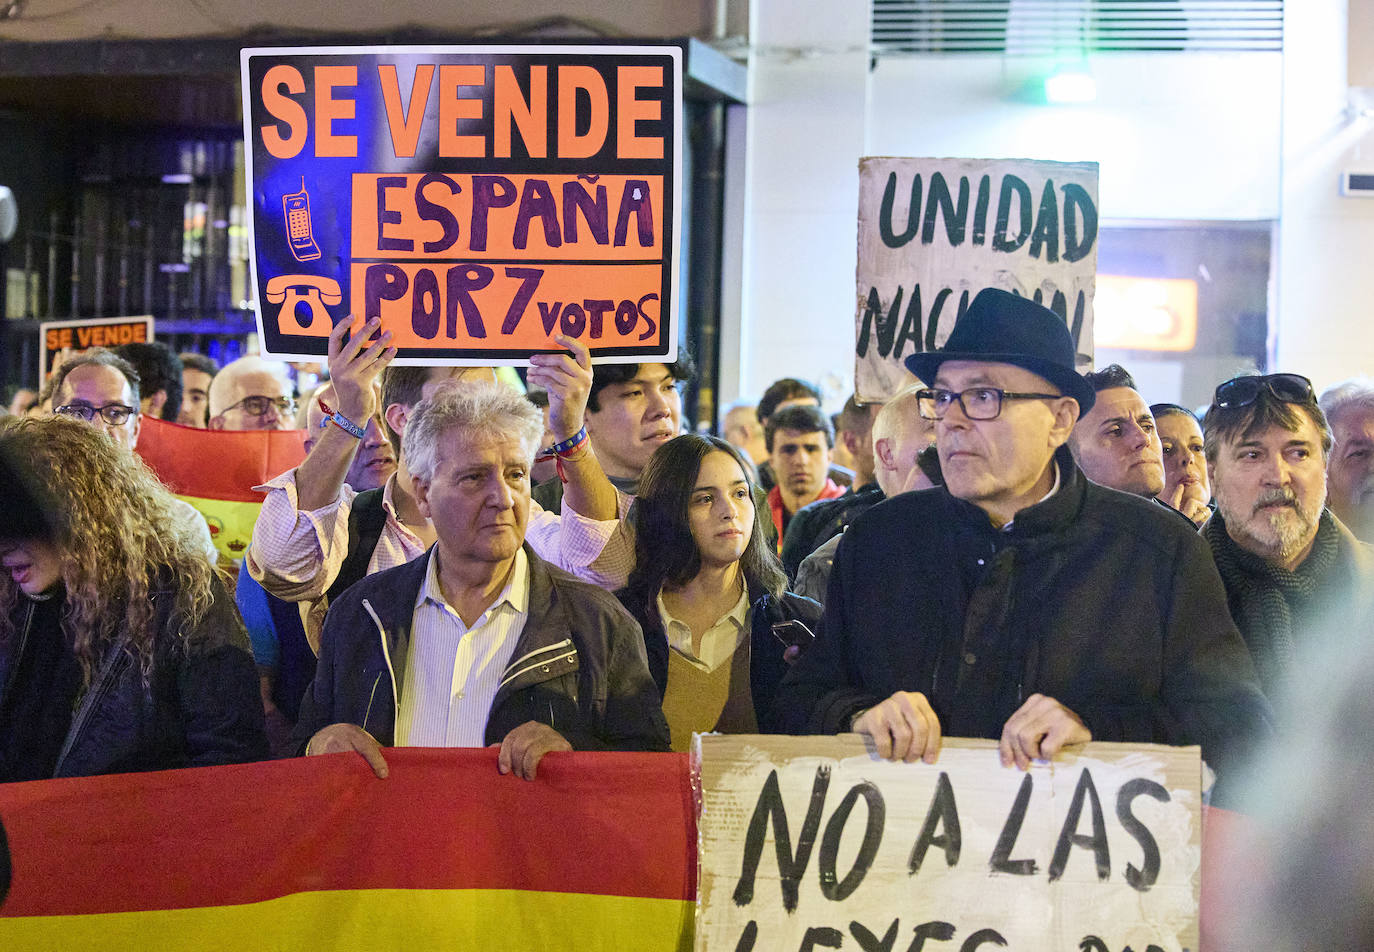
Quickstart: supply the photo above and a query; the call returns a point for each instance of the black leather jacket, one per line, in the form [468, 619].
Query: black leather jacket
[577, 666]
[199, 705]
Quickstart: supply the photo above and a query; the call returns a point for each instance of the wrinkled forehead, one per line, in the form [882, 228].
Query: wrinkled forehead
[258, 383]
[1275, 436]
[1116, 402]
[1351, 422]
[489, 444]
[96, 384]
[962, 374]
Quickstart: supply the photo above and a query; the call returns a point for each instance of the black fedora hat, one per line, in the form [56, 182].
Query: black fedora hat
[1005, 328]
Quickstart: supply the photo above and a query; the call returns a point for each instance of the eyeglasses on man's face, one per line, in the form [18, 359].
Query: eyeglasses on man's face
[260, 406]
[978, 403]
[1243, 391]
[115, 414]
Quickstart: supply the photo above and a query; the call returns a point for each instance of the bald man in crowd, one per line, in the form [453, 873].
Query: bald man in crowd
[252, 394]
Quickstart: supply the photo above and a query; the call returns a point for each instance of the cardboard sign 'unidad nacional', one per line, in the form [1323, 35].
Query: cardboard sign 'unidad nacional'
[935, 232]
[813, 843]
[479, 199]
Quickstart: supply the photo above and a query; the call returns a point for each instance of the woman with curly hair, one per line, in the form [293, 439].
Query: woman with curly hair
[709, 592]
[119, 648]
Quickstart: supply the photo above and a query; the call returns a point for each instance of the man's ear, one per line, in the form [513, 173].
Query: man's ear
[420, 489]
[396, 415]
[217, 422]
[852, 442]
[156, 402]
[1065, 410]
[883, 452]
[1212, 476]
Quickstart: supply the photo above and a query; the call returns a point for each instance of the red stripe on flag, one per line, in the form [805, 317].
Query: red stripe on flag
[218, 464]
[599, 823]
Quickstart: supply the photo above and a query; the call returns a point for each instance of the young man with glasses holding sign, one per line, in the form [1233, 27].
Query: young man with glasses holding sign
[1285, 560]
[1020, 601]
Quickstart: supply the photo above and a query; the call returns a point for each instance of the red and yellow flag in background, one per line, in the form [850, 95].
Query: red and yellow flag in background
[216, 470]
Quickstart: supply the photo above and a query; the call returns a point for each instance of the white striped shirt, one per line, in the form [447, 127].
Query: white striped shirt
[453, 671]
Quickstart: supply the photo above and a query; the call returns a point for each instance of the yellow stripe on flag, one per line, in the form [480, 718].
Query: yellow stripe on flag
[416, 920]
[231, 523]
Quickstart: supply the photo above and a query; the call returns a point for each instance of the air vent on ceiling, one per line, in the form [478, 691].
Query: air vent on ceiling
[1057, 27]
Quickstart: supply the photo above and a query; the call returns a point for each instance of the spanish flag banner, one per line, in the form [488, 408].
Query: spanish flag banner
[216, 470]
[597, 853]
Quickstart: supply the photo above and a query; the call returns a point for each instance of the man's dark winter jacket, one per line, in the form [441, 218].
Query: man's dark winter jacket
[821, 521]
[578, 665]
[200, 704]
[1095, 598]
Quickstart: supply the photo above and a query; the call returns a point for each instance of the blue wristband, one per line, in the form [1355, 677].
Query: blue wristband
[570, 443]
[339, 420]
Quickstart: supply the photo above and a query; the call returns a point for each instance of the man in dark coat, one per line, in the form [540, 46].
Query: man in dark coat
[479, 641]
[1290, 567]
[1020, 601]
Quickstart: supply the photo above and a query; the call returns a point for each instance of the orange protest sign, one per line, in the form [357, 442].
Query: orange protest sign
[480, 200]
[57, 336]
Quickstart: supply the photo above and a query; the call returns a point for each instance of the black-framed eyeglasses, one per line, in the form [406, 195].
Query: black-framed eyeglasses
[260, 406]
[1243, 391]
[115, 414]
[978, 403]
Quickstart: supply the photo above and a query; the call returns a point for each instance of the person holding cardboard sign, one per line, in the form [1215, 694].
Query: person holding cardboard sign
[1020, 601]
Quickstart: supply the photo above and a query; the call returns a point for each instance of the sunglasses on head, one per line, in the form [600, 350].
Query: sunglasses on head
[1243, 391]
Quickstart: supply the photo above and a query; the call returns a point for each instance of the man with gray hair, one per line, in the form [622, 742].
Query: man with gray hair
[1287, 563]
[252, 394]
[1349, 409]
[480, 641]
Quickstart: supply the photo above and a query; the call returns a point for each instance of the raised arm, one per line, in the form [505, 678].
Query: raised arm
[353, 372]
[568, 380]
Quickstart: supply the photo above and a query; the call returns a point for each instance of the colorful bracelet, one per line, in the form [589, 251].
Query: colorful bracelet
[558, 452]
[339, 420]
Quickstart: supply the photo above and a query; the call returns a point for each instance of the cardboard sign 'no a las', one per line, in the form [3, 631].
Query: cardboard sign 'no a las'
[814, 843]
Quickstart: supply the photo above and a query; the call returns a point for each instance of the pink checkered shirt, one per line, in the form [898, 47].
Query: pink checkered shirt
[297, 555]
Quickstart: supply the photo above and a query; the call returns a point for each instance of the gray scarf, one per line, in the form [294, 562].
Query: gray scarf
[1265, 599]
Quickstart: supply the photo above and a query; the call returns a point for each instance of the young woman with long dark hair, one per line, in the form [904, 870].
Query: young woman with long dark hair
[709, 592]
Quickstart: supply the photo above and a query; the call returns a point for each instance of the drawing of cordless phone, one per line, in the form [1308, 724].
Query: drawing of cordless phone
[300, 235]
[316, 292]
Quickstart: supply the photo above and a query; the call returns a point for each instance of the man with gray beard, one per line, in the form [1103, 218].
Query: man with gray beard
[1288, 564]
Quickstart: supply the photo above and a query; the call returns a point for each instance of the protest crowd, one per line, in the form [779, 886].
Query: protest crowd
[1072, 562]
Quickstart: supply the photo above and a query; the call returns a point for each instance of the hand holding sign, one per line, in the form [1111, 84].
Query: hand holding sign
[355, 366]
[903, 728]
[1038, 730]
[568, 380]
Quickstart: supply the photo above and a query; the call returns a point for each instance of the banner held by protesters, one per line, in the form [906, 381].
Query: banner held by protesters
[809, 843]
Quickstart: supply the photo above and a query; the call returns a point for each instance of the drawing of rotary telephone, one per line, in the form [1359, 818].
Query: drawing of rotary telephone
[315, 292]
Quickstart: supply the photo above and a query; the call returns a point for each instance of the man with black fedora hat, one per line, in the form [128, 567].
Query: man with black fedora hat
[1020, 601]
